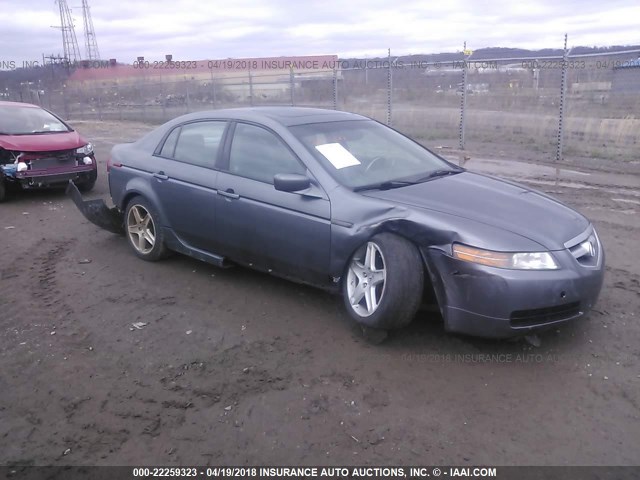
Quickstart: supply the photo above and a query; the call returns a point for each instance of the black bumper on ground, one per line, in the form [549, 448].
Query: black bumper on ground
[97, 212]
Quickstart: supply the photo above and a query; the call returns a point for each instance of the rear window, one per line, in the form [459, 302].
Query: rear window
[195, 143]
[18, 120]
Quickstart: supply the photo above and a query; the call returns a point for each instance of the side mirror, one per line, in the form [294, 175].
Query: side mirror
[291, 182]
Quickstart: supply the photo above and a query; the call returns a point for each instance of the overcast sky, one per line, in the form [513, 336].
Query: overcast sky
[212, 29]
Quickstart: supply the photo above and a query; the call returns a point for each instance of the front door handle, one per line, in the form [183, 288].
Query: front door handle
[229, 193]
[161, 176]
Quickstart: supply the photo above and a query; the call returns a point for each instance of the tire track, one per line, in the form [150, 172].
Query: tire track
[40, 304]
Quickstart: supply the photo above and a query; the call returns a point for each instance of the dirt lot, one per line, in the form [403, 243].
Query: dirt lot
[236, 367]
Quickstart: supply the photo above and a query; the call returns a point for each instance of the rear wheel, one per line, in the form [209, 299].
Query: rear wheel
[3, 190]
[143, 230]
[383, 283]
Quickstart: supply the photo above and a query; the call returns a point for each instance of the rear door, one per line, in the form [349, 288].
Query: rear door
[185, 181]
[284, 232]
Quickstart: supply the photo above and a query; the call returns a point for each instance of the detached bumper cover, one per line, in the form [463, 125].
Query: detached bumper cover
[501, 303]
[97, 212]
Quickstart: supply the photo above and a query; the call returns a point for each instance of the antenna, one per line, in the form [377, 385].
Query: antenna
[90, 42]
[69, 40]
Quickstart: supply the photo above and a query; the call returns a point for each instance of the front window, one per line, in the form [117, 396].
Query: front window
[18, 120]
[364, 153]
[258, 154]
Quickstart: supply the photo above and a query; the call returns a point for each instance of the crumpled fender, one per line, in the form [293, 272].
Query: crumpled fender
[96, 211]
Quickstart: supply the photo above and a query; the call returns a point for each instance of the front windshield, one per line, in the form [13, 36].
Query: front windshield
[362, 153]
[19, 120]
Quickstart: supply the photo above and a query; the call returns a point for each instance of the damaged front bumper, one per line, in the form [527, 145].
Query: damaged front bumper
[55, 179]
[49, 172]
[97, 212]
[501, 303]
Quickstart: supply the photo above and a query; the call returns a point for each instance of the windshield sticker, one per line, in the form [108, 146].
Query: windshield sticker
[339, 156]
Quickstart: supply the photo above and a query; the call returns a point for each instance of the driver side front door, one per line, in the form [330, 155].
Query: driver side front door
[286, 233]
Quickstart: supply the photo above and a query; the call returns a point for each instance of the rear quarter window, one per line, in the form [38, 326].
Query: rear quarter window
[170, 144]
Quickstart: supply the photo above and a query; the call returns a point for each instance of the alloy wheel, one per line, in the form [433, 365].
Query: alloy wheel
[366, 279]
[141, 229]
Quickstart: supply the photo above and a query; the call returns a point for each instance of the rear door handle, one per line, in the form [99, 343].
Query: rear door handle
[161, 176]
[229, 193]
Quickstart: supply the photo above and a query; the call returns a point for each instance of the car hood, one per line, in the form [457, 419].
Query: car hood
[494, 202]
[44, 142]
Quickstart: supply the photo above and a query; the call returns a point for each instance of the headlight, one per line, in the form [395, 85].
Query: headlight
[518, 261]
[86, 150]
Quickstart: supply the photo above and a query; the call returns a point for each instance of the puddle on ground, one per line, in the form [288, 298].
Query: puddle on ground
[578, 186]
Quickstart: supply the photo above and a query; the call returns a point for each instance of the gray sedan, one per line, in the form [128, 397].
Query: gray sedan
[344, 203]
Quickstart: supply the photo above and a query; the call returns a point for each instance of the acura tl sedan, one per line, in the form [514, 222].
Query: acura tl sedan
[344, 203]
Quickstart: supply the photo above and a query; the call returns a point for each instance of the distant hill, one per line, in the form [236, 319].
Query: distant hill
[491, 53]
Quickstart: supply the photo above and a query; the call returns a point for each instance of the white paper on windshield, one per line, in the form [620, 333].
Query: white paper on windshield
[339, 156]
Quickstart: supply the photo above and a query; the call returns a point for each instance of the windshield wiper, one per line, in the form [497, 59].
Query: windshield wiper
[403, 183]
[436, 174]
[440, 173]
[385, 185]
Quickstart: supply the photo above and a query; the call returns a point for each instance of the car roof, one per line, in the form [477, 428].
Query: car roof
[17, 104]
[286, 116]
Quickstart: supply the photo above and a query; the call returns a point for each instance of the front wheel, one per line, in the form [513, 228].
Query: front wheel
[88, 184]
[383, 283]
[143, 230]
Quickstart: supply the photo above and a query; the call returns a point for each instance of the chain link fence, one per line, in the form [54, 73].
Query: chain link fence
[582, 109]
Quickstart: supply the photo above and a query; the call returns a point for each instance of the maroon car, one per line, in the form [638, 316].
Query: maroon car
[39, 150]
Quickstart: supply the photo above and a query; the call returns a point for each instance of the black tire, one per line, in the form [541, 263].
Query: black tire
[3, 190]
[144, 249]
[400, 293]
[88, 184]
